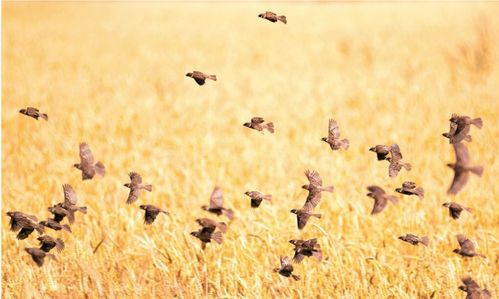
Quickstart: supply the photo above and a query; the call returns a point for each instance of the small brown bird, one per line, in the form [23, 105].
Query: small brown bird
[415, 240]
[206, 234]
[409, 188]
[151, 212]
[302, 216]
[455, 209]
[333, 137]
[306, 248]
[60, 213]
[39, 255]
[381, 151]
[268, 15]
[257, 123]
[460, 127]
[216, 204]
[51, 223]
[473, 290]
[395, 160]
[24, 223]
[34, 112]
[48, 243]
[286, 268]
[136, 186]
[212, 224]
[380, 198]
[70, 202]
[87, 164]
[462, 168]
[200, 78]
[467, 248]
[257, 198]
[315, 189]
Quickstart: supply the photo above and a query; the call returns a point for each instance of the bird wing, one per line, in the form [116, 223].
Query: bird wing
[38, 257]
[86, 157]
[379, 204]
[470, 283]
[133, 195]
[313, 199]
[462, 153]
[135, 178]
[302, 219]
[394, 168]
[69, 195]
[313, 177]
[396, 154]
[150, 215]
[334, 130]
[376, 190]
[286, 264]
[460, 179]
[257, 120]
[408, 185]
[216, 198]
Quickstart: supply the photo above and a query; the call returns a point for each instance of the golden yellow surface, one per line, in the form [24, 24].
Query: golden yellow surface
[113, 75]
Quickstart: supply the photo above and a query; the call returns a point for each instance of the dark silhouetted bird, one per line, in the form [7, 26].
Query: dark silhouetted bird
[473, 290]
[60, 213]
[381, 151]
[34, 112]
[415, 240]
[257, 123]
[206, 234]
[333, 137]
[87, 164]
[455, 209]
[151, 212]
[410, 188]
[460, 127]
[24, 223]
[380, 198]
[467, 248]
[302, 216]
[286, 268]
[200, 78]
[268, 15]
[395, 160]
[257, 198]
[212, 224]
[136, 186]
[306, 248]
[462, 168]
[39, 255]
[315, 189]
[217, 203]
[47, 243]
[51, 223]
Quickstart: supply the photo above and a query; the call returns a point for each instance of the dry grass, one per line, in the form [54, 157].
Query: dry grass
[113, 75]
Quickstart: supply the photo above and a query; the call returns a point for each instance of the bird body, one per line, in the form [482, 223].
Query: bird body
[286, 268]
[380, 198]
[415, 240]
[257, 123]
[306, 248]
[87, 163]
[216, 204]
[410, 188]
[303, 215]
[39, 255]
[333, 138]
[211, 224]
[473, 290]
[460, 127]
[48, 243]
[455, 209]
[136, 186]
[34, 113]
[151, 212]
[200, 77]
[51, 223]
[257, 198]
[24, 223]
[315, 188]
[272, 17]
[467, 248]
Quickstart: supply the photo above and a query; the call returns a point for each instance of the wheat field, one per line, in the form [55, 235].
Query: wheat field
[113, 75]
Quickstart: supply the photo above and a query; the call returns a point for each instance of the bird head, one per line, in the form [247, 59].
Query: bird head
[399, 190]
[277, 269]
[78, 166]
[294, 211]
[324, 139]
[463, 288]
[248, 125]
[262, 15]
[372, 149]
[189, 75]
[127, 185]
[206, 208]
[447, 204]
[143, 207]
[456, 251]
[22, 111]
[401, 238]
[247, 193]
[451, 165]
[195, 234]
[306, 187]
[293, 242]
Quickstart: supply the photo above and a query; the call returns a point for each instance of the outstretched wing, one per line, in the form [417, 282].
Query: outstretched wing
[396, 154]
[334, 130]
[216, 198]
[135, 178]
[69, 195]
[86, 157]
[462, 153]
[257, 120]
[313, 177]
[379, 205]
[376, 190]
[460, 179]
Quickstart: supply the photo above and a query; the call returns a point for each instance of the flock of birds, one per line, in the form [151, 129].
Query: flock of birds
[211, 230]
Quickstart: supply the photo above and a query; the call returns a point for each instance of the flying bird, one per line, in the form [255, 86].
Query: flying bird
[473, 290]
[455, 209]
[39, 255]
[410, 188]
[24, 223]
[69, 204]
[415, 240]
[206, 234]
[380, 198]
[200, 78]
[395, 160]
[257, 123]
[34, 112]
[381, 151]
[286, 268]
[257, 198]
[302, 216]
[467, 248]
[216, 204]
[333, 137]
[268, 15]
[151, 212]
[306, 248]
[87, 163]
[462, 168]
[47, 243]
[315, 189]
[136, 186]
[460, 127]
[212, 224]
[51, 223]
[60, 213]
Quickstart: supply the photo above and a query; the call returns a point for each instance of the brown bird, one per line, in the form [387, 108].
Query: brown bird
[409, 188]
[380, 198]
[333, 137]
[473, 290]
[467, 248]
[415, 240]
[39, 255]
[48, 243]
[34, 112]
[60, 213]
[212, 224]
[136, 186]
[70, 202]
[455, 209]
[257, 198]
[286, 268]
[302, 216]
[460, 127]
[268, 15]
[216, 204]
[151, 212]
[257, 123]
[306, 248]
[206, 234]
[24, 223]
[381, 151]
[462, 168]
[51, 223]
[200, 78]
[315, 189]
[395, 160]
[87, 164]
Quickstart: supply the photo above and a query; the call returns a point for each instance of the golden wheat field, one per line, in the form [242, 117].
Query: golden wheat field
[113, 75]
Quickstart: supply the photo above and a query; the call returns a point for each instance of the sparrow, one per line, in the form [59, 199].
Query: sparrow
[381, 151]
[200, 78]
[460, 127]
[467, 248]
[212, 225]
[306, 248]
[333, 137]
[39, 255]
[34, 112]
[473, 290]
[24, 223]
[257, 198]
[47, 243]
[216, 204]
[286, 268]
[395, 160]
[70, 203]
[87, 164]
[51, 223]
[206, 234]
[462, 168]
[409, 188]
[151, 212]
[136, 186]
[415, 240]
[60, 213]
[257, 123]
[302, 216]
[314, 188]
[268, 15]
[380, 198]
[455, 209]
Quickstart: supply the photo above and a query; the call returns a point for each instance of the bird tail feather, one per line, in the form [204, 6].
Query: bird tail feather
[44, 116]
[477, 122]
[148, 187]
[407, 166]
[100, 169]
[223, 227]
[267, 197]
[425, 240]
[316, 215]
[217, 237]
[282, 19]
[345, 144]
[270, 127]
[212, 77]
[478, 170]
[328, 189]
